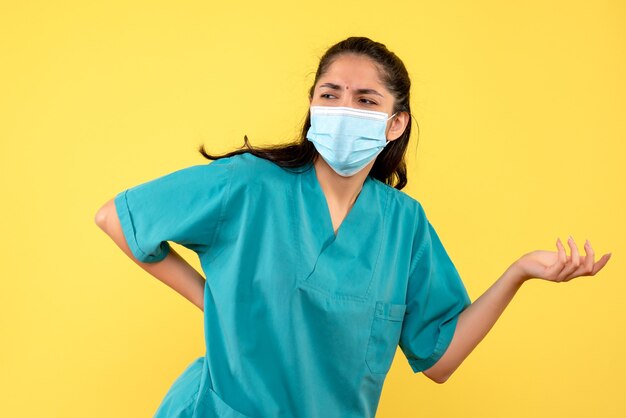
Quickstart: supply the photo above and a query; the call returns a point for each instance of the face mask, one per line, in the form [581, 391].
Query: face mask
[347, 138]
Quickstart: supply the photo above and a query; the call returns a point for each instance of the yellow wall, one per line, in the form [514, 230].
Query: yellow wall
[521, 110]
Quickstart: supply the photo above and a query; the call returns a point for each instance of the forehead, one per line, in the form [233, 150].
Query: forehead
[354, 71]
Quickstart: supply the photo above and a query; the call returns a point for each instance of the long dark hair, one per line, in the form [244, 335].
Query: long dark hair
[389, 166]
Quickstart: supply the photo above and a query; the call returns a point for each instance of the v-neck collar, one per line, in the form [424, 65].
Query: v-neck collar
[322, 210]
[342, 265]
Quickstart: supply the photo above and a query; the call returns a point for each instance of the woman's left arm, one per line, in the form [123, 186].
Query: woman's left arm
[478, 318]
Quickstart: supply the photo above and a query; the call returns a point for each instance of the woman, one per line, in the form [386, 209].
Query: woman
[317, 268]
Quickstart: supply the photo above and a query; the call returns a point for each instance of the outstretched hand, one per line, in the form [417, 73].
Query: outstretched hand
[558, 266]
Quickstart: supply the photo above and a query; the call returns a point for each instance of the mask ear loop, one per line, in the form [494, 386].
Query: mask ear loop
[389, 118]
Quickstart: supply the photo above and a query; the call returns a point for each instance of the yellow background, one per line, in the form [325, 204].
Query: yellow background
[521, 110]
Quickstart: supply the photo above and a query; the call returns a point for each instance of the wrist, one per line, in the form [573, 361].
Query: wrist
[517, 273]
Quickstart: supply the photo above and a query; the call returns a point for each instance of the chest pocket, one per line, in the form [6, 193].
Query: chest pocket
[384, 336]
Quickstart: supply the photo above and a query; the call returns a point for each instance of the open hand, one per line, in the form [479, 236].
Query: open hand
[558, 266]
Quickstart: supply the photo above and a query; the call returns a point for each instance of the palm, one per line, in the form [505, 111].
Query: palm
[557, 266]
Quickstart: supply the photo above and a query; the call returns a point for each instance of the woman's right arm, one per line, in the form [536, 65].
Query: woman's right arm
[173, 270]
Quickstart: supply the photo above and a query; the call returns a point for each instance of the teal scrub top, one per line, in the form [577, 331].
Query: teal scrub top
[298, 321]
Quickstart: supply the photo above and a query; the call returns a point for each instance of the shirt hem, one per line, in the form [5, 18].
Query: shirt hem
[443, 342]
[128, 229]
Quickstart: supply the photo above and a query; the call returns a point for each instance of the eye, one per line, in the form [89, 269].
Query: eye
[368, 101]
[323, 95]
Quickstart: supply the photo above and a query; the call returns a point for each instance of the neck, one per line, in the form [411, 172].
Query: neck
[341, 192]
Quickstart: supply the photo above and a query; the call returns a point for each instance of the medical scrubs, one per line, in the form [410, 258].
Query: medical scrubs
[298, 321]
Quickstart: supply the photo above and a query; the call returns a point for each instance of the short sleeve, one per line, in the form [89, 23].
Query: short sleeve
[435, 298]
[184, 206]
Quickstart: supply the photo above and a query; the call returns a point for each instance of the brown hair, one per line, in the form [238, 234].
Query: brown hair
[389, 167]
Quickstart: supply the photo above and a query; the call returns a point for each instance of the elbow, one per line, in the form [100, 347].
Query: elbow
[436, 376]
[101, 218]
[102, 215]
[440, 379]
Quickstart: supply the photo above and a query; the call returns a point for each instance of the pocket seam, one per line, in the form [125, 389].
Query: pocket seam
[395, 311]
[384, 311]
[225, 405]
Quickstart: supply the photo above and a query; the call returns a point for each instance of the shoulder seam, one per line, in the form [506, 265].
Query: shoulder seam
[224, 204]
[422, 245]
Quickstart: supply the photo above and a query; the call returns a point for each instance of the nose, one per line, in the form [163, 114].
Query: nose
[346, 98]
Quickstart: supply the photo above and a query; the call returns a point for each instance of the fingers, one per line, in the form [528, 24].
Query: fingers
[601, 263]
[575, 259]
[555, 269]
[572, 264]
[575, 268]
[562, 254]
[565, 267]
[586, 265]
[589, 256]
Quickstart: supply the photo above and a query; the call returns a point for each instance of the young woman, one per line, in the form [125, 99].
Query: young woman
[317, 264]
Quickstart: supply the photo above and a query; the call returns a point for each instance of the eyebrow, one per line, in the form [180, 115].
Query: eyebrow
[359, 91]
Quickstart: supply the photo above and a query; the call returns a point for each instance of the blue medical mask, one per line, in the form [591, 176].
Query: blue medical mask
[347, 138]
